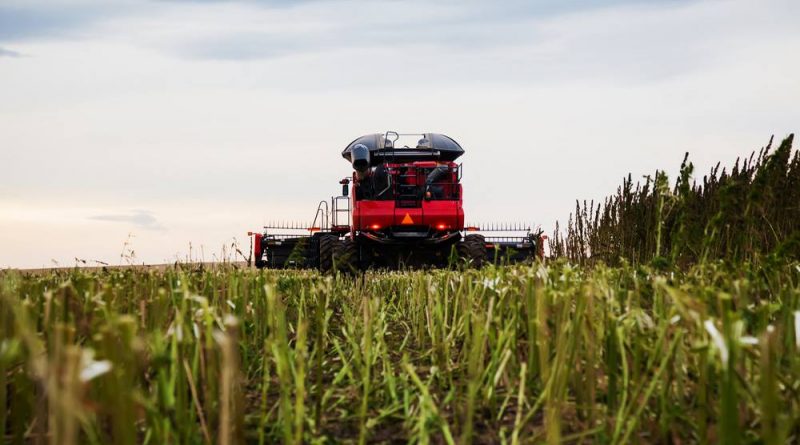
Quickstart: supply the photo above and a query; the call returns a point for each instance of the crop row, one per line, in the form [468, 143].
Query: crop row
[518, 354]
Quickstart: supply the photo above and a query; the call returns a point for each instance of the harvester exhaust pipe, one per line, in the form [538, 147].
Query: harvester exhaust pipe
[360, 158]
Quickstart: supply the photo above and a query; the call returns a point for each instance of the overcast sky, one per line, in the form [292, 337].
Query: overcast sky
[183, 122]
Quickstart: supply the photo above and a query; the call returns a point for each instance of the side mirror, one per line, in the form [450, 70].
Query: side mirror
[345, 189]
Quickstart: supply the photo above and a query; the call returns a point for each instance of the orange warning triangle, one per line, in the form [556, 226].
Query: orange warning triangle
[407, 220]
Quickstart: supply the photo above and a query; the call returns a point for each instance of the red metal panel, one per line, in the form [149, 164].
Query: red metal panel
[257, 245]
[368, 214]
[446, 213]
[408, 215]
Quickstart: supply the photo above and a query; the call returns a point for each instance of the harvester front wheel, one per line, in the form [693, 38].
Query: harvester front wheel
[473, 250]
[328, 247]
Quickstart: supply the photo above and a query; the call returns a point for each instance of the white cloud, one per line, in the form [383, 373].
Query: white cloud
[9, 53]
[141, 219]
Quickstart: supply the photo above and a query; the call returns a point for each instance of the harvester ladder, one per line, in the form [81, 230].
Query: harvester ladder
[408, 194]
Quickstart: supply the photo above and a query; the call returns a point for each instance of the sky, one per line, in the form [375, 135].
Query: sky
[172, 128]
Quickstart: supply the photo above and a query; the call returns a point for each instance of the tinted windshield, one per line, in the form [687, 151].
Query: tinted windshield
[410, 141]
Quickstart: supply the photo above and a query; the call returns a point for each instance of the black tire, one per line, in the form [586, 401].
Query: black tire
[346, 258]
[328, 245]
[313, 252]
[473, 250]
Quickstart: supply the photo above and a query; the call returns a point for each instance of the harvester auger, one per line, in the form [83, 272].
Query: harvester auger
[404, 210]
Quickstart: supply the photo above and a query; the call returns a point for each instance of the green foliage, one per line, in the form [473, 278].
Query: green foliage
[740, 215]
[523, 354]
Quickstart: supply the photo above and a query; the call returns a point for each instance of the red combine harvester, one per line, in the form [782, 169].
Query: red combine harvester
[405, 209]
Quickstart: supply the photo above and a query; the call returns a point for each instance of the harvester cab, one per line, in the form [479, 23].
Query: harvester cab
[401, 206]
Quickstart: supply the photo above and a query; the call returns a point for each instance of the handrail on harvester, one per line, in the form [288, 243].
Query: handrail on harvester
[325, 213]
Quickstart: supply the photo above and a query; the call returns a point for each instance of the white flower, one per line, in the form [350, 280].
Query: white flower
[797, 329]
[91, 368]
[643, 320]
[719, 342]
[748, 340]
[176, 331]
[490, 284]
[198, 299]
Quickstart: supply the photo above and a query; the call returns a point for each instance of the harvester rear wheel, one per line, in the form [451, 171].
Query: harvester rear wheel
[346, 257]
[473, 249]
[328, 247]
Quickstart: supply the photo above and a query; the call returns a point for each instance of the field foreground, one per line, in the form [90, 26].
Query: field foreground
[524, 354]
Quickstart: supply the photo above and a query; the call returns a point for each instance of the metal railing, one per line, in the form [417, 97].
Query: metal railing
[323, 214]
[408, 184]
[339, 209]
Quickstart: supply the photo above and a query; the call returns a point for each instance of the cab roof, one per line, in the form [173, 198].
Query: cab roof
[397, 147]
